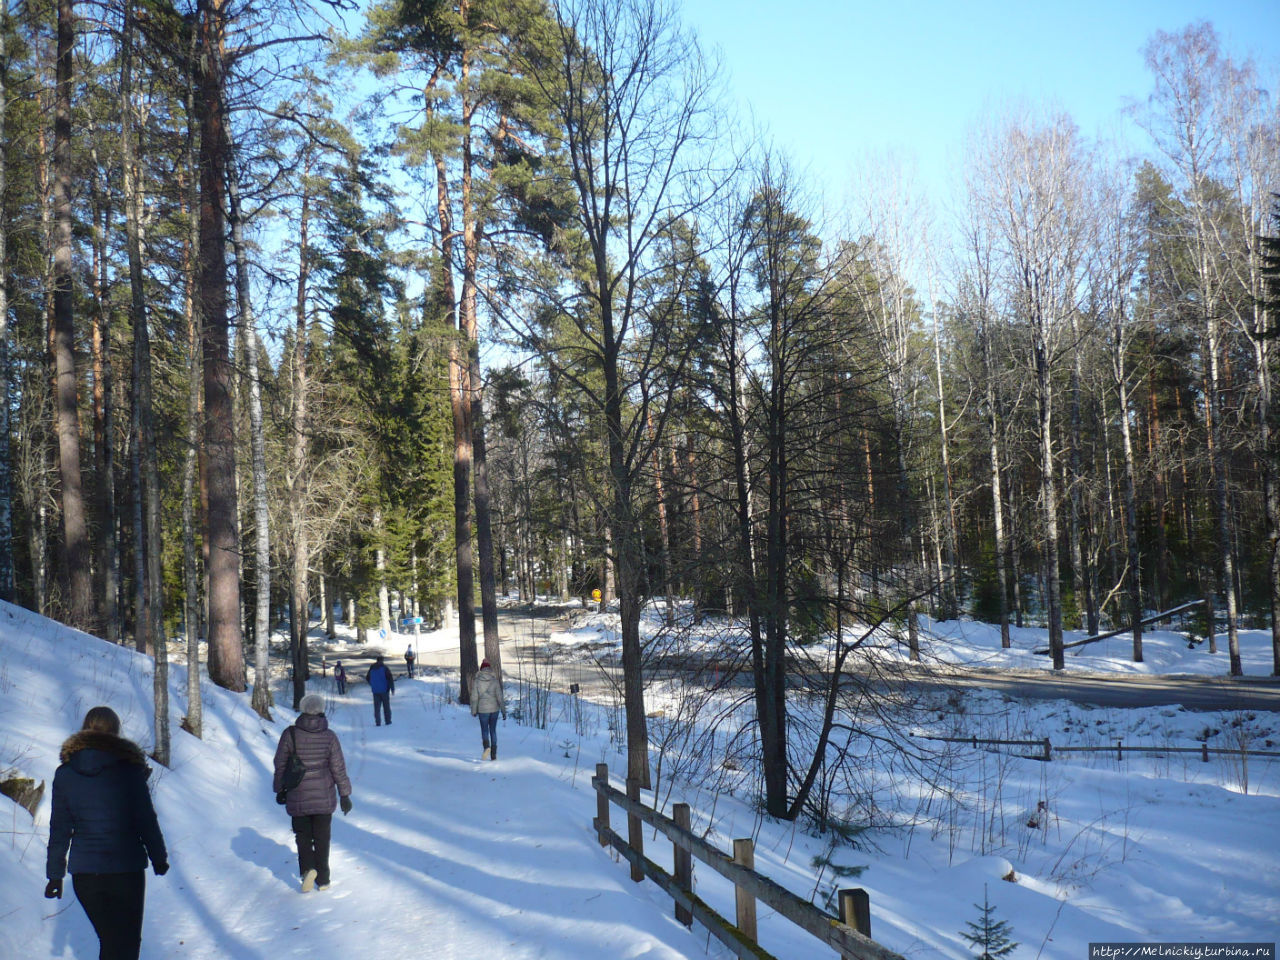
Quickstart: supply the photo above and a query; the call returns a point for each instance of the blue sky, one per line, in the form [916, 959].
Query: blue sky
[831, 79]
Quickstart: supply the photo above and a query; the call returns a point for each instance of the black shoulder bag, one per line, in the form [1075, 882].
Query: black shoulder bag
[296, 769]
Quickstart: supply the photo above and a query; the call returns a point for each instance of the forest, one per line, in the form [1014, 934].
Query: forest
[405, 308]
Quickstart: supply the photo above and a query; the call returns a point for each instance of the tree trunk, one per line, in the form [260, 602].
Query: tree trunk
[1222, 502]
[1119, 353]
[997, 499]
[76, 563]
[326, 602]
[1159, 496]
[191, 605]
[225, 640]
[107, 579]
[1270, 485]
[301, 620]
[1079, 519]
[148, 456]
[380, 564]
[472, 235]
[261, 698]
[1049, 500]
[7, 572]
[949, 514]
[664, 532]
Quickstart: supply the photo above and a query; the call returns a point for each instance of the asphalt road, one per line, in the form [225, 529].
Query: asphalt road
[1111, 690]
[523, 630]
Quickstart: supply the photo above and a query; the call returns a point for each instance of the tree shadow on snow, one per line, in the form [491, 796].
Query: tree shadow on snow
[262, 851]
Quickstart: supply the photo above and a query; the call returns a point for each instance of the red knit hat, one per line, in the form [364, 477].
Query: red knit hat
[484, 663]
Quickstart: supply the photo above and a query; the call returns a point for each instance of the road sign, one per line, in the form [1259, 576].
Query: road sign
[410, 621]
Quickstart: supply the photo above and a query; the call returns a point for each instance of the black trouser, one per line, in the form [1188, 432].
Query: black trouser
[312, 835]
[384, 699]
[408, 663]
[113, 902]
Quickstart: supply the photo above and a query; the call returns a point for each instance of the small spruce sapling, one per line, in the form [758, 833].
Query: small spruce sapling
[989, 935]
[839, 834]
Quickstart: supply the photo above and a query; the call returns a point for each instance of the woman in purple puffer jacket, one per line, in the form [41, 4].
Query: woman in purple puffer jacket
[311, 803]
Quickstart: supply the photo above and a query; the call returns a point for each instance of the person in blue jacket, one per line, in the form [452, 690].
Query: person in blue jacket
[383, 684]
[102, 811]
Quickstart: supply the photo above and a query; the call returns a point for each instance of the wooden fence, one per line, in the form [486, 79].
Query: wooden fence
[1046, 750]
[849, 935]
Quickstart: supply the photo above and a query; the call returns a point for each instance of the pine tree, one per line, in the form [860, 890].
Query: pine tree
[989, 935]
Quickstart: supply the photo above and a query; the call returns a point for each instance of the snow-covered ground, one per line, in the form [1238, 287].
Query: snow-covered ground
[446, 855]
[968, 642]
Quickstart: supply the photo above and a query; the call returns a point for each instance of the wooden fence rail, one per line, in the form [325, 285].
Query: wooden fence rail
[849, 935]
[1047, 749]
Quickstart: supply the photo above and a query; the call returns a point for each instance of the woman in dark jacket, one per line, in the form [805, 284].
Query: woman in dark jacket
[311, 803]
[102, 810]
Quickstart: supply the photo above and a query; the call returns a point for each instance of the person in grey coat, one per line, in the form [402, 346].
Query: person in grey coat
[486, 703]
[312, 802]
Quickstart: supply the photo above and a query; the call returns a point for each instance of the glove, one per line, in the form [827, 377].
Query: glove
[53, 890]
[281, 797]
[160, 868]
[345, 803]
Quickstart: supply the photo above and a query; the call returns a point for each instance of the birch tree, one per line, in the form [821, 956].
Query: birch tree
[1036, 190]
[1186, 117]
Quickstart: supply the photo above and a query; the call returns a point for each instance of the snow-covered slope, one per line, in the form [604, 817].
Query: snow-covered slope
[448, 856]
[444, 855]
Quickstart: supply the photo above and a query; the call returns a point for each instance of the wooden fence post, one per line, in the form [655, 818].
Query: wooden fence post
[683, 861]
[602, 805]
[1048, 750]
[1204, 752]
[855, 910]
[744, 854]
[1119, 750]
[635, 830]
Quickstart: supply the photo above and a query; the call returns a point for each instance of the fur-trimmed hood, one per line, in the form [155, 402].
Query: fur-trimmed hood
[89, 751]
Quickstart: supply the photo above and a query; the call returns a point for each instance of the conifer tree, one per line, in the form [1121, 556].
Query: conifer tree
[989, 935]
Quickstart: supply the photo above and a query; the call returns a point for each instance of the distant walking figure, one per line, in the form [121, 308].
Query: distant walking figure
[102, 810]
[383, 684]
[408, 661]
[340, 678]
[311, 803]
[486, 703]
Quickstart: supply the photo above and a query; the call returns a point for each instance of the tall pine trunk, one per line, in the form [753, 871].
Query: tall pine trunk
[472, 235]
[300, 622]
[148, 457]
[261, 699]
[460, 408]
[107, 574]
[76, 561]
[7, 573]
[191, 605]
[225, 640]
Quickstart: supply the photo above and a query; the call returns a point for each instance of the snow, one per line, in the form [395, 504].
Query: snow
[445, 855]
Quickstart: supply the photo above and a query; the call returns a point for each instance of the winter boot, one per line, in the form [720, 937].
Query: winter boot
[486, 755]
[308, 881]
[493, 754]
